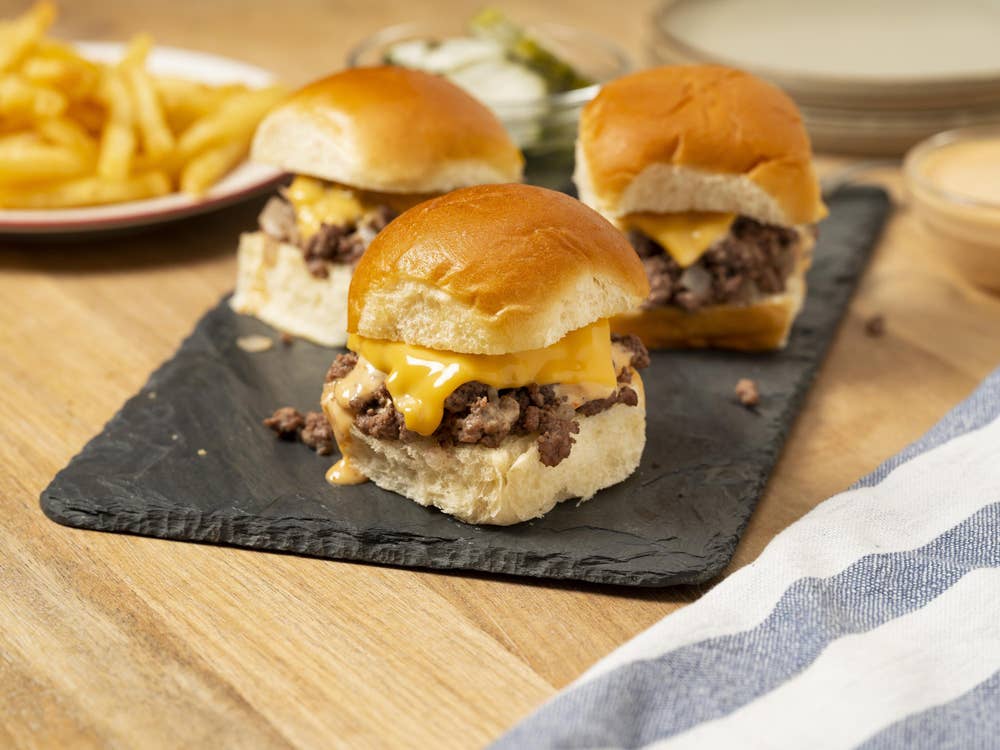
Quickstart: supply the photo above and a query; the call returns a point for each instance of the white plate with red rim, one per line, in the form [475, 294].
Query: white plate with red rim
[246, 181]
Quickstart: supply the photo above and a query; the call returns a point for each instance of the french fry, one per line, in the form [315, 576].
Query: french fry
[117, 151]
[235, 119]
[186, 101]
[75, 77]
[27, 159]
[137, 51]
[210, 165]
[87, 191]
[65, 132]
[157, 140]
[118, 141]
[89, 114]
[21, 99]
[79, 132]
[28, 138]
[20, 36]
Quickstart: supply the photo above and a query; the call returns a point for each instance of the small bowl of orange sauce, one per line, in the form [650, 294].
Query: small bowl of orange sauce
[953, 179]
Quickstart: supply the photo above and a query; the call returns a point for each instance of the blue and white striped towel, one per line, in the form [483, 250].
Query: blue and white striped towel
[872, 622]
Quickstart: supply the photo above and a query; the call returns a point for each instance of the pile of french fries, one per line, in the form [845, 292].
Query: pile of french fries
[74, 132]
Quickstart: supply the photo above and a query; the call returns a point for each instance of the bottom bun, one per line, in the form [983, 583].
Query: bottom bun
[760, 326]
[274, 285]
[508, 484]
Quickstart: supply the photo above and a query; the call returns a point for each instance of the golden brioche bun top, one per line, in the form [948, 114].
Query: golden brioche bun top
[697, 119]
[388, 129]
[493, 269]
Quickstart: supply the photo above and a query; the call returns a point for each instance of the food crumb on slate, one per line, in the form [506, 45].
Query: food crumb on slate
[875, 326]
[311, 428]
[202, 452]
[254, 343]
[286, 422]
[287, 339]
[318, 434]
[175, 436]
[747, 393]
[151, 395]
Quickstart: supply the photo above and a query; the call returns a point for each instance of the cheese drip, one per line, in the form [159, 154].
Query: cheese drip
[685, 236]
[420, 379]
[317, 202]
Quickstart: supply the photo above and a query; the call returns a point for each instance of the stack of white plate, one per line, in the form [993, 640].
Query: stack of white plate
[871, 76]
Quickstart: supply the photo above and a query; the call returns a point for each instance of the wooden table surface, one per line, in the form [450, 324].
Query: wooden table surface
[118, 641]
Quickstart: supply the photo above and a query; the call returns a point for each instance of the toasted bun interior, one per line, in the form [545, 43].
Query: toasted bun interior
[697, 137]
[388, 129]
[493, 269]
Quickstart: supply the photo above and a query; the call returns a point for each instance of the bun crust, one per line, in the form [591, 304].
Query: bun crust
[493, 269]
[507, 484]
[647, 138]
[274, 285]
[388, 129]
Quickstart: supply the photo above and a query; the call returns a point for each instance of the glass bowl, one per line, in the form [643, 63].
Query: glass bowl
[953, 179]
[545, 128]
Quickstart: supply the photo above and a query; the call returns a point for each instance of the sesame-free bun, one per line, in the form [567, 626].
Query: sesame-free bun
[507, 484]
[388, 129]
[274, 285]
[493, 269]
[696, 138]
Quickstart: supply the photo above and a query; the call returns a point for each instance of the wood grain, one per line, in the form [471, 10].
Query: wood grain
[113, 641]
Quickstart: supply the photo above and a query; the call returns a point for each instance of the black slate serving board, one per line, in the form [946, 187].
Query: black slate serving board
[187, 457]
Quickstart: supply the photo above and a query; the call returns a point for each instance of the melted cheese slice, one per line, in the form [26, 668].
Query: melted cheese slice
[685, 236]
[317, 202]
[420, 379]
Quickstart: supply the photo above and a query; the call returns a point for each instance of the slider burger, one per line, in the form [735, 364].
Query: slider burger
[364, 145]
[709, 171]
[483, 377]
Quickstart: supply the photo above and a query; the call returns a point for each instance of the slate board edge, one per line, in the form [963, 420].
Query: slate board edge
[247, 533]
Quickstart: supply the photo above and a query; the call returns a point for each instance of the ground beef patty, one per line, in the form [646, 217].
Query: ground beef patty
[332, 243]
[476, 413]
[753, 259]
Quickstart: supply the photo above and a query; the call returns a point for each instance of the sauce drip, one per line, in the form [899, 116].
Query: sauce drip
[345, 472]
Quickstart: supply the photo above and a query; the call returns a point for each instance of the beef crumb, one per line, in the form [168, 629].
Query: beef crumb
[379, 418]
[318, 434]
[342, 365]
[556, 439]
[625, 395]
[310, 428]
[747, 393]
[286, 422]
[875, 326]
[638, 350]
[287, 339]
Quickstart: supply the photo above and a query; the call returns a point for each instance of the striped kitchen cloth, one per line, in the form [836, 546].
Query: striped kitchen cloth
[873, 622]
